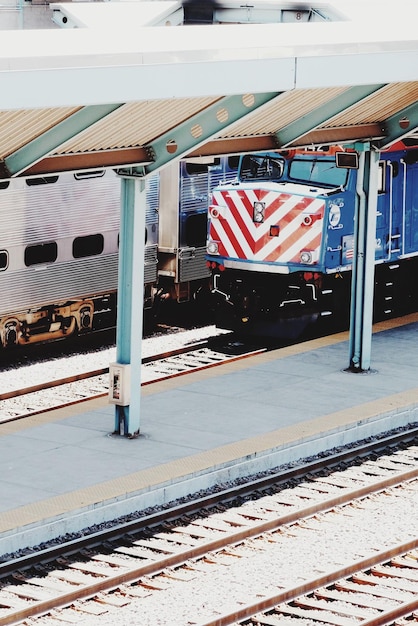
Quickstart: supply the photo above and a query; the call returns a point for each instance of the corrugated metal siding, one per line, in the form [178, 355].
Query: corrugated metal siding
[152, 187]
[284, 110]
[377, 107]
[194, 268]
[135, 124]
[194, 193]
[150, 264]
[19, 127]
[68, 207]
[58, 282]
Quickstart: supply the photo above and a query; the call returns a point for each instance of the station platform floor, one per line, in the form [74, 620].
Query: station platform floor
[64, 471]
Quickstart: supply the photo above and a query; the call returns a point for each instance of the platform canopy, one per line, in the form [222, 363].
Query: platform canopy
[137, 84]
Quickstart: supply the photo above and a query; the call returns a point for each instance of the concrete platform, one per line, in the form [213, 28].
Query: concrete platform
[63, 471]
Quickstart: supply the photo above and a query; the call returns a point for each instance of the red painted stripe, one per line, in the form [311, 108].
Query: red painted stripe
[229, 234]
[237, 223]
[293, 214]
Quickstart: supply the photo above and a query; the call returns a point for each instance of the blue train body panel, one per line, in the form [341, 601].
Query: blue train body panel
[281, 239]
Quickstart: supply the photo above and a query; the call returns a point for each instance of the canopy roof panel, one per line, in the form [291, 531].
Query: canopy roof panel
[137, 84]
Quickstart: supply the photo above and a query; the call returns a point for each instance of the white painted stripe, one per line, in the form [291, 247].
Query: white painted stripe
[302, 243]
[289, 231]
[257, 232]
[225, 241]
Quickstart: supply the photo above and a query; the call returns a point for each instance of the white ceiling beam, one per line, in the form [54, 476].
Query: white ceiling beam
[86, 66]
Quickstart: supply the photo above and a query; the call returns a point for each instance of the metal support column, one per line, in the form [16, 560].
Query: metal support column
[362, 289]
[125, 384]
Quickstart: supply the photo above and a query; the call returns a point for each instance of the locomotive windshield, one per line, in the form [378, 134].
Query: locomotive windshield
[318, 172]
[256, 167]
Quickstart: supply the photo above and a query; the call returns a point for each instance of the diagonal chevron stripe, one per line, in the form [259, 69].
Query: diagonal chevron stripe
[241, 238]
[294, 234]
[242, 212]
[217, 233]
[311, 241]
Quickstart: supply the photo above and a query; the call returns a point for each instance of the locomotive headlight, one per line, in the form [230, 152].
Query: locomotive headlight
[258, 212]
[212, 247]
[216, 211]
[306, 257]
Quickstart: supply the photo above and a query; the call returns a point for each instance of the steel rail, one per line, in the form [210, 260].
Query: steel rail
[8, 395]
[99, 372]
[288, 595]
[171, 513]
[102, 394]
[229, 539]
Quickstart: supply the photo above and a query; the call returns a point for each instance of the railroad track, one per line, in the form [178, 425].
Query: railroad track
[375, 591]
[251, 526]
[19, 403]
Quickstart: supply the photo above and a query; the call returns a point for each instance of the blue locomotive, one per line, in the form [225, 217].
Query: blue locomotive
[280, 241]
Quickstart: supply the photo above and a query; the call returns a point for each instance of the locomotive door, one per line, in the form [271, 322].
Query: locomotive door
[389, 219]
[398, 208]
[411, 206]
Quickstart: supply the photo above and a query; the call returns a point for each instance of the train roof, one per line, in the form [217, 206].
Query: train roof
[137, 84]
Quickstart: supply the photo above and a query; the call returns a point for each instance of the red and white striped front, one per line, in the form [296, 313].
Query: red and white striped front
[292, 224]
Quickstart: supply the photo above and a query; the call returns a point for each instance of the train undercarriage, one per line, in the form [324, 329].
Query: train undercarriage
[290, 306]
[58, 321]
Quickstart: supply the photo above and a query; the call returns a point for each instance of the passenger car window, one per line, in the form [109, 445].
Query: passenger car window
[91, 174]
[41, 253]
[4, 260]
[45, 180]
[89, 245]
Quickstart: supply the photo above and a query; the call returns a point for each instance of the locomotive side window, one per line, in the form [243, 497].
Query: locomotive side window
[196, 168]
[90, 245]
[45, 180]
[4, 184]
[261, 168]
[381, 183]
[4, 260]
[41, 253]
[411, 156]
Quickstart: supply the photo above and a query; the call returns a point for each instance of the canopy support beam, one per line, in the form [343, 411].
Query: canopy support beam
[126, 393]
[362, 289]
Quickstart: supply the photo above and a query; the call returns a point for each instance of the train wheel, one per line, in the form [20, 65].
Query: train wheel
[10, 334]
